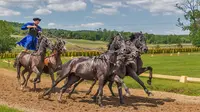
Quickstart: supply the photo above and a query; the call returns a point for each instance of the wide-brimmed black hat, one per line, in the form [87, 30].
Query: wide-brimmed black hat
[36, 19]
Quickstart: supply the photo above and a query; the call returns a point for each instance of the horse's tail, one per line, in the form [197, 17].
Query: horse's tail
[16, 62]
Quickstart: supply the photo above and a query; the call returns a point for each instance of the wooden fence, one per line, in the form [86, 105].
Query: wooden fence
[182, 79]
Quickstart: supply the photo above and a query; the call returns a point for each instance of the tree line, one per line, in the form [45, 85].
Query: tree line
[103, 35]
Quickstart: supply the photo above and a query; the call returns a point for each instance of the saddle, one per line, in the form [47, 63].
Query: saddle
[46, 61]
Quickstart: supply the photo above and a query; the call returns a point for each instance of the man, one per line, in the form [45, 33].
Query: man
[30, 41]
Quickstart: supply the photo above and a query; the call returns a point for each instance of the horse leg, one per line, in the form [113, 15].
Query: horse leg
[27, 78]
[74, 87]
[89, 91]
[142, 70]
[135, 76]
[110, 87]
[119, 87]
[52, 77]
[102, 82]
[125, 87]
[71, 80]
[95, 96]
[23, 73]
[18, 73]
[58, 80]
[35, 81]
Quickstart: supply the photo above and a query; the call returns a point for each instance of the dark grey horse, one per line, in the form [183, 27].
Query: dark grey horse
[133, 64]
[32, 62]
[96, 68]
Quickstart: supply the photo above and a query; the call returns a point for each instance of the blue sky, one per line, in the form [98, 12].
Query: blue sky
[152, 16]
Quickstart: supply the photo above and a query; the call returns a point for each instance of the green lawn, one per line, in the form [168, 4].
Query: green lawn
[192, 89]
[188, 65]
[74, 44]
[7, 109]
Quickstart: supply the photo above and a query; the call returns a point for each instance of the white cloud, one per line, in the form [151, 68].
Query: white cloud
[8, 12]
[52, 25]
[165, 7]
[107, 11]
[3, 3]
[90, 17]
[20, 3]
[84, 26]
[69, 5]
[109, 3]
[107, 7]
[42, 11]
[96, 24]
[76, 26]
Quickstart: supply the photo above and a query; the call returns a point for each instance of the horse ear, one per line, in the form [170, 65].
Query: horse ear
[64, 42]
[132, 37]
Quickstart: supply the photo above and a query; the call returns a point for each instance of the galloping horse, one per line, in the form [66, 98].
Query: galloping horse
[32, 62]
[96, 68]
[53, 63]
[133, 65]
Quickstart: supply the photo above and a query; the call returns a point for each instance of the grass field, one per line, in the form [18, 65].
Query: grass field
[184, 64]
[79, 44]
[74, 44]
[7, 109]
[192, 89]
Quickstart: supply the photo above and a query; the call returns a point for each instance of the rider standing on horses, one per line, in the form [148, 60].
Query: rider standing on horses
[30, 41]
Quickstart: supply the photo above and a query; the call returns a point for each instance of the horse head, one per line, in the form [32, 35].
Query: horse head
[117, 43]
[140, 41]
[60, 45]
[45, 43]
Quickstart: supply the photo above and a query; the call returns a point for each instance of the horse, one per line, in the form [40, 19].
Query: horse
[32, 62]
[134, 66]
[95, 68]
[53, 62]
[137, 40]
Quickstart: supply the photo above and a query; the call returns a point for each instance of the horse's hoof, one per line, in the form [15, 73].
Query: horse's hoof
[40, 96]
[113, 95]
[38, 81]
[69, 96]
[60, 101]
[100, 105]
[31, 80]
[122, 102]
[127, 94]
[148, 82]
[150, 94]
[48, 97]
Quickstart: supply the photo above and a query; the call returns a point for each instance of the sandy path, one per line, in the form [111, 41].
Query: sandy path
[138, 102]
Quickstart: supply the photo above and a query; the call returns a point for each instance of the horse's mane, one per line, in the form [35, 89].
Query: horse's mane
[110, 42]
[133, 36]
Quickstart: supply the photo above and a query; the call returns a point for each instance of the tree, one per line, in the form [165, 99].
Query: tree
[192, 15]
[7, 43]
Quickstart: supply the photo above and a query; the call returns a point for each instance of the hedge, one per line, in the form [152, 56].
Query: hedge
[96, 53]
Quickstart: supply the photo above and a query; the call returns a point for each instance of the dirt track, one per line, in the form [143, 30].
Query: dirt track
[28, 101]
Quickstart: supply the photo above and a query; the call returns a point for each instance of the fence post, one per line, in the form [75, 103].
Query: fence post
[183, 79]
